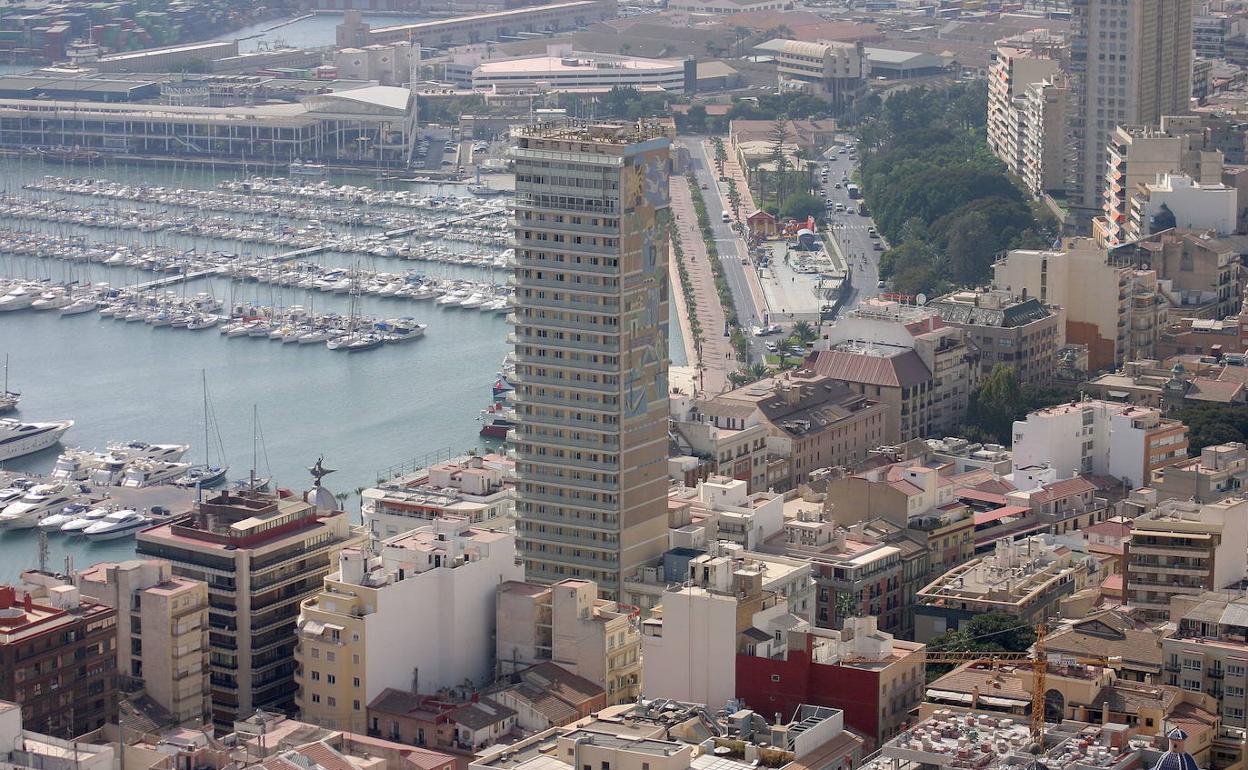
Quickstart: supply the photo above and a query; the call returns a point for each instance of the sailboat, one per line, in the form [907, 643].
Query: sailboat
[254, 483]
[8, 398]
[206, 475]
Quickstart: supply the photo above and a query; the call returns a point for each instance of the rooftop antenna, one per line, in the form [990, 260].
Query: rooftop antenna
[43, 550]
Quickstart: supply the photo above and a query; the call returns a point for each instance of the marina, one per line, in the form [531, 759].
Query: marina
[362, 412]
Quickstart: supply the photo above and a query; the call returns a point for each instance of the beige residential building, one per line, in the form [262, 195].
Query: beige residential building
[1044, 153]
[1220, 471]
[1138, 154]
[1018, 331]
[1130, 64]
[1208, 652]
[261, 556]
[568, 624]
[163, 643]
[1012, 73]
[1114, 309]
[347, 653]
[591, 350]
[1024, 579]
[1182, 547]
[1202, 275]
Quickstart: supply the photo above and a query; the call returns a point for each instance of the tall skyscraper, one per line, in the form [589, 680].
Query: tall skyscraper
[1131, 63]
[591, 349]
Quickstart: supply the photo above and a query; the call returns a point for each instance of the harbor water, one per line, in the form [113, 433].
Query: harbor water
[305, 31]
[365, 413]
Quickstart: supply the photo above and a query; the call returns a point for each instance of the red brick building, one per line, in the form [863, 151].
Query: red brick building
[58, 661]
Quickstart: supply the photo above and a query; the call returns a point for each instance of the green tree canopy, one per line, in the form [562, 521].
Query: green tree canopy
[801, 205]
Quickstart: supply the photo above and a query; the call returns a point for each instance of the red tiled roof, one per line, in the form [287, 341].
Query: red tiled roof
[902, 370]
[1064, 488]
[1219, 391]
[986, 497]
[985, 517]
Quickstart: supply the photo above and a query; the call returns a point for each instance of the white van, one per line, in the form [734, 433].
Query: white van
[723, 216]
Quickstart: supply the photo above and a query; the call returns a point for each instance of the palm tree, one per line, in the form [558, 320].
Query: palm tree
[759, 371]
[804, 332]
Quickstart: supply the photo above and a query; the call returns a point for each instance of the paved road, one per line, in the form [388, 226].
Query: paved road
[729, 244]
[850, 231]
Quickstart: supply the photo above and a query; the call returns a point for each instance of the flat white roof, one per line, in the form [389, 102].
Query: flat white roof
[556, 65]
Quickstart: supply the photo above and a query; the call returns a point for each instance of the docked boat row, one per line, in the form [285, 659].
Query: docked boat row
[138, 463]
[481, 295]
[71, 248]
[222, 200]
[362, 196]
[62, 508]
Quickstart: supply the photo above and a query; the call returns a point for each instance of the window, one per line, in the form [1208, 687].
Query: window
[355, 705]
[331, 678]
[775, 677]
[316, 698]
[355, 681]
[316, 676]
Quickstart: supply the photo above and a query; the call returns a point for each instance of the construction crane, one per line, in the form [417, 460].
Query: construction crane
[1037, 658]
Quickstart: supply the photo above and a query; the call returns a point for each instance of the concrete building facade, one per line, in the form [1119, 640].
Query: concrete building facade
[591, 350]
[1018, 331]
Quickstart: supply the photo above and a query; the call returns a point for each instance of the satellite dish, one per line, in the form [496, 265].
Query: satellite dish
[921, 299]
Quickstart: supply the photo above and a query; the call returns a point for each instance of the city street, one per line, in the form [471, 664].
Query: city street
[849, 229]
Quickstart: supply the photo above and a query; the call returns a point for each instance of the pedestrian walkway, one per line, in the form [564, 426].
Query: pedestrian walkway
[718, 358]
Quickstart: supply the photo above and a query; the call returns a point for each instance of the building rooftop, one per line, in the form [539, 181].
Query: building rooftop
[577, 62]
[995, 308]
[873, 365]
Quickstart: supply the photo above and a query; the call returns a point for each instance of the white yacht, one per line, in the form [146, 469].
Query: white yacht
[22, 438]
[38, 502]
[18, 299]
[116, 525]
[79, 306]
[141, 450]
[76, 525]
[146, 473]
[53, 523]
[106, 469]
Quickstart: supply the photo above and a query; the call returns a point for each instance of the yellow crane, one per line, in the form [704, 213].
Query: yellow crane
[1037, 658]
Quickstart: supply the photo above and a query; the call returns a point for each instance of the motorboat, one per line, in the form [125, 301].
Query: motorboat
[116, 525]
[78, 307]
[147, 473]
[76, 525]
[52, 300]
[54, 522]
[497, 421]
[141, 450]
[39, 501]
[203, 321]
[18, 299]
[10, 495]
[22, 438]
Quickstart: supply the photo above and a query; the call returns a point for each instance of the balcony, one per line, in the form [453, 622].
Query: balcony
[533, 379]
[533, 301]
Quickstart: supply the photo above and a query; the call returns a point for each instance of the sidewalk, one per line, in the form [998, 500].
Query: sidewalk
[732, 170]
[718, 358]
[680, 310]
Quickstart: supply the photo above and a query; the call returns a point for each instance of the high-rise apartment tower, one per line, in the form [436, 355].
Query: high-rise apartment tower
[591, 349]
[1131, 63]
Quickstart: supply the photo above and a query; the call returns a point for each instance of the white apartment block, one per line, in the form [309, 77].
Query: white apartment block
[480, 489]
[735, 515]
[690, 644]
[418, 615]
[1193, 206]
[1099, 437]
[1044, 151]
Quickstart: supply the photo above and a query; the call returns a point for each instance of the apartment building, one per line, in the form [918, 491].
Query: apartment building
[480, 489]
[261, 556]
[347, 653]
[566, 623]
[905, 357]
[714, 437]
[58, 661]
[1068, 506]
[162, 633]
[591, 350]
[812, 421]
[1138, 154]
[1024, 579]
[21, 748]
[831, 70]
[691, 641]
[855, 574]
[1114, 309]
[1044, 151]
[876, 679]
[1100, 437]
[1130, 63]
[1208, 653]
[1218, 472]
[1174, 200]
[729, 512]
[1182, 547]
[1199, 275]
[1011, 74]
[1018, 331]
